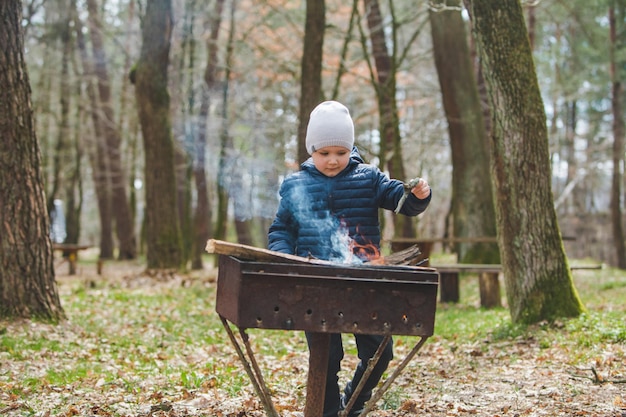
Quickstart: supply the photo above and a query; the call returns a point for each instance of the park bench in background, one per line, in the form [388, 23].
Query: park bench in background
[489, 283]
[70, 253]
[488, 275]
[427, 244]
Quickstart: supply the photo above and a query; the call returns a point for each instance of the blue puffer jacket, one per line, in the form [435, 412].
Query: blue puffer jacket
[318, 216]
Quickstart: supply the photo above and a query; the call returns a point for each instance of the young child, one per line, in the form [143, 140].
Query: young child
[331, 202]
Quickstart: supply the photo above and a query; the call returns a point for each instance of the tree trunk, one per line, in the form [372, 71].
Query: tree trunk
[27, 282]
[618, 134]
[311, 77]
[226, 145]
[473, 212]
[129, 124]
[163, 240]
[538, 280]
[65, 162]
[183, 168]
[184, 152]
[385, 84]
[96, 149]
[202, 215]
[111, 136]
[472, 198]
[74, 187]
[342, 70]
[532, 24]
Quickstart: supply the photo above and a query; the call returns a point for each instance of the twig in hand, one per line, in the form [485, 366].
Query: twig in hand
[407, 189]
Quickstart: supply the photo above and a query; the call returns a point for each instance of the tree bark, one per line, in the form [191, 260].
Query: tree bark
[96, 150]
[226, 145]
[618, 133]
[385, 84]
[67, 154]
[183, 170]
[202, 215]
[538, 280]
[184, 152]
[311, 77]
[27, 282]
[111, 136]
[61, 158]
[74, 182]
[472, 197]
[163, 240]
[473, 212]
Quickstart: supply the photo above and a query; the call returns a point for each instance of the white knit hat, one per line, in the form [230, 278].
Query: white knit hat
[330, 124]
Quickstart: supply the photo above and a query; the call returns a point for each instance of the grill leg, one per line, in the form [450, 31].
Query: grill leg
[368, 371]
[379, 393]
[319, 345]
[254, 372]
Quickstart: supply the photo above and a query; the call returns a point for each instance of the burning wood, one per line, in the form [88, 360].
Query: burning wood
[407, 256]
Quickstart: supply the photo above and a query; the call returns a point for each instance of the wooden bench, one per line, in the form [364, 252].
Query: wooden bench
[427, 244]
[488, 281]
[70, 252]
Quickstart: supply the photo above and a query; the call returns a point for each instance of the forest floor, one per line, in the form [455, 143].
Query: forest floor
[137, 343]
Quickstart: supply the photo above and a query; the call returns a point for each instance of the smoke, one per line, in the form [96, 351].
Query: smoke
[252, 185]
[334, 242]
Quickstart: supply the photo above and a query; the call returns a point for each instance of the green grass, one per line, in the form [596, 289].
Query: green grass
[603, 292]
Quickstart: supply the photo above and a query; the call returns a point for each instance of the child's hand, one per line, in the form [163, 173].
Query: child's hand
[421, 190]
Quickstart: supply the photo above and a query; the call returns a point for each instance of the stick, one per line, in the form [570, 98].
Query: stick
[369, 405]
[253, 253]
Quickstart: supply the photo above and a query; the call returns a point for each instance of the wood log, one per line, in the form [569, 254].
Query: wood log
[409, 256]
[252, 253]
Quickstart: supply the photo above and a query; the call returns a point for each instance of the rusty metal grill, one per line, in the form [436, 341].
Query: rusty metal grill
[324, 299]
[329, 299]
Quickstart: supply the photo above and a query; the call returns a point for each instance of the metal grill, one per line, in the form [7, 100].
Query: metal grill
[324, 299]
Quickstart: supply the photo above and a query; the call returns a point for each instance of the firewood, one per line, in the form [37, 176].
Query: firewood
[253, 253]
[407, 256]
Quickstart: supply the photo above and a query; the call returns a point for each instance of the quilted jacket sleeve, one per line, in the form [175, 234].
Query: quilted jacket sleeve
[390, 192]
[282, 234]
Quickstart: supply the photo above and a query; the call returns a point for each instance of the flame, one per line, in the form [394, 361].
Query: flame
[352, 250]
[367, 252]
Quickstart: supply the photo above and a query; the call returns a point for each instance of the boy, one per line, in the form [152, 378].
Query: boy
[332, 202]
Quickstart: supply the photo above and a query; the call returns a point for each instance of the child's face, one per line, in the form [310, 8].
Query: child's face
[331, 160]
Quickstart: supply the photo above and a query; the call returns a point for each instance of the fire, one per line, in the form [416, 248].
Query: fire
[367, 252]
[353, 251]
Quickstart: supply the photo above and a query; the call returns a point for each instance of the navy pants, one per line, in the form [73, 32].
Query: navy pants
[366, 346]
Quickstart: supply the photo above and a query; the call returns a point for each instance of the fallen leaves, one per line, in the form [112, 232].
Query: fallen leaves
[142, 345]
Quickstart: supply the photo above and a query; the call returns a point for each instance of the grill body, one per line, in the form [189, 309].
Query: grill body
[385, 300]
